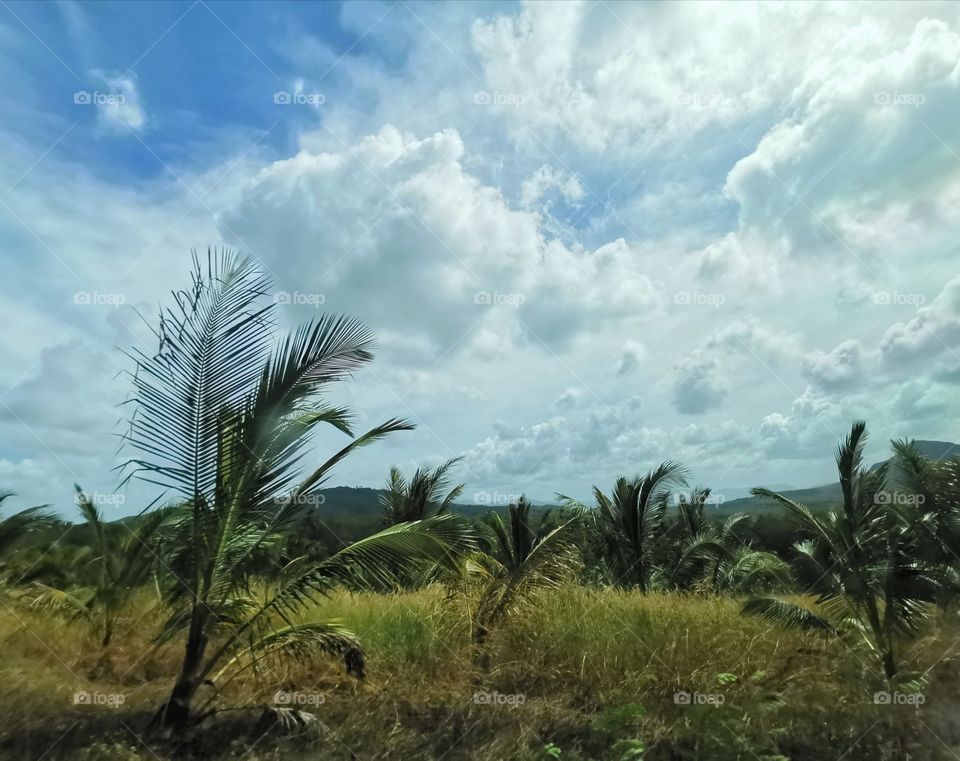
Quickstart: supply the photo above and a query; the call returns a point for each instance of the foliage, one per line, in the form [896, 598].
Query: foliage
[222, 419]
[876, 565]
[420, 497]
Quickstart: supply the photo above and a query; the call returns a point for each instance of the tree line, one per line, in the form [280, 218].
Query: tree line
[221, 423]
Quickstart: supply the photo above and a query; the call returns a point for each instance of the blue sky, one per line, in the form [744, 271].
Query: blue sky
[590, 236]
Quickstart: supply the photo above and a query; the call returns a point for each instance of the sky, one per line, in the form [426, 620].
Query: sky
[589, 236]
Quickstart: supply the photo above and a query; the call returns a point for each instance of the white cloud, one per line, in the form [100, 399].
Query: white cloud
[840, 368]
[547, 180]
[398, 214]
[934, 330]
[633, 352]
[119, 108]
[698, 385]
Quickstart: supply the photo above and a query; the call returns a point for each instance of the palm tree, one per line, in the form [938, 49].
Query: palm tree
[934, 488]
[630, 523]
[422, 496]
[222, 419]
[97, 581]
[525, 560]
[15, 528]
[869, 564]
[709, 553]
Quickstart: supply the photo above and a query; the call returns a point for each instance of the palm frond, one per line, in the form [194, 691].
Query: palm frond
[785, 614]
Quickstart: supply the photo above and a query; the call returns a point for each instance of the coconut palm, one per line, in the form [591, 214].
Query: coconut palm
[749, 571]
[97, 581]
[421, 496]
[709, 554]
[868, 564]
[15, 528]
[934, 488]
[222, 420]
[525, 559]
[630, 526]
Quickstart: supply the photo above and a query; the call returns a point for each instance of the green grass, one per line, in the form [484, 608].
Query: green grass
[590, 674]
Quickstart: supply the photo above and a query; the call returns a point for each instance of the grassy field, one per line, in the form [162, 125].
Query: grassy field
[589, 674]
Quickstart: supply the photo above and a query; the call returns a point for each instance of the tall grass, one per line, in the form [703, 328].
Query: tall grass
[585, 672]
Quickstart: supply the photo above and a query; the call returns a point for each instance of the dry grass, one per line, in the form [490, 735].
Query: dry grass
[586, 672]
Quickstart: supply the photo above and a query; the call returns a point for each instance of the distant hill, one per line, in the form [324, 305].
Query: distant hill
[362, 502]
[830, 494]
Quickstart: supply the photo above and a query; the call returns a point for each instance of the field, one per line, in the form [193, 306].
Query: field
[586, 674]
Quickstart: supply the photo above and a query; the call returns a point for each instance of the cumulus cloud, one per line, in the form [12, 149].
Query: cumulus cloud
[698, 385]
[119, 108]
[751, 336]
[466, 235]
[398, 214]
[839, 368]
[633, 352]
[547, 180]
[822, 179]
[934, 330]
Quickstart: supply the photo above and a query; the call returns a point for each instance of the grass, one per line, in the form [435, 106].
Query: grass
[588, 674]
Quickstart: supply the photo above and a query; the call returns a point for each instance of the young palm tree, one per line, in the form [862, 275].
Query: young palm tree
[524, 561]
[869, 564]
[934, 488]
[222, 419]
[15, 528]
[422, 496]
[710, 554]
[105, 574]
[630, 523]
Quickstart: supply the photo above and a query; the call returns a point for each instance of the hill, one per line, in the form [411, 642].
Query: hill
[830, 494]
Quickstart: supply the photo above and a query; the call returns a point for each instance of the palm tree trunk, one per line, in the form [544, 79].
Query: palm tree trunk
[176, 712]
